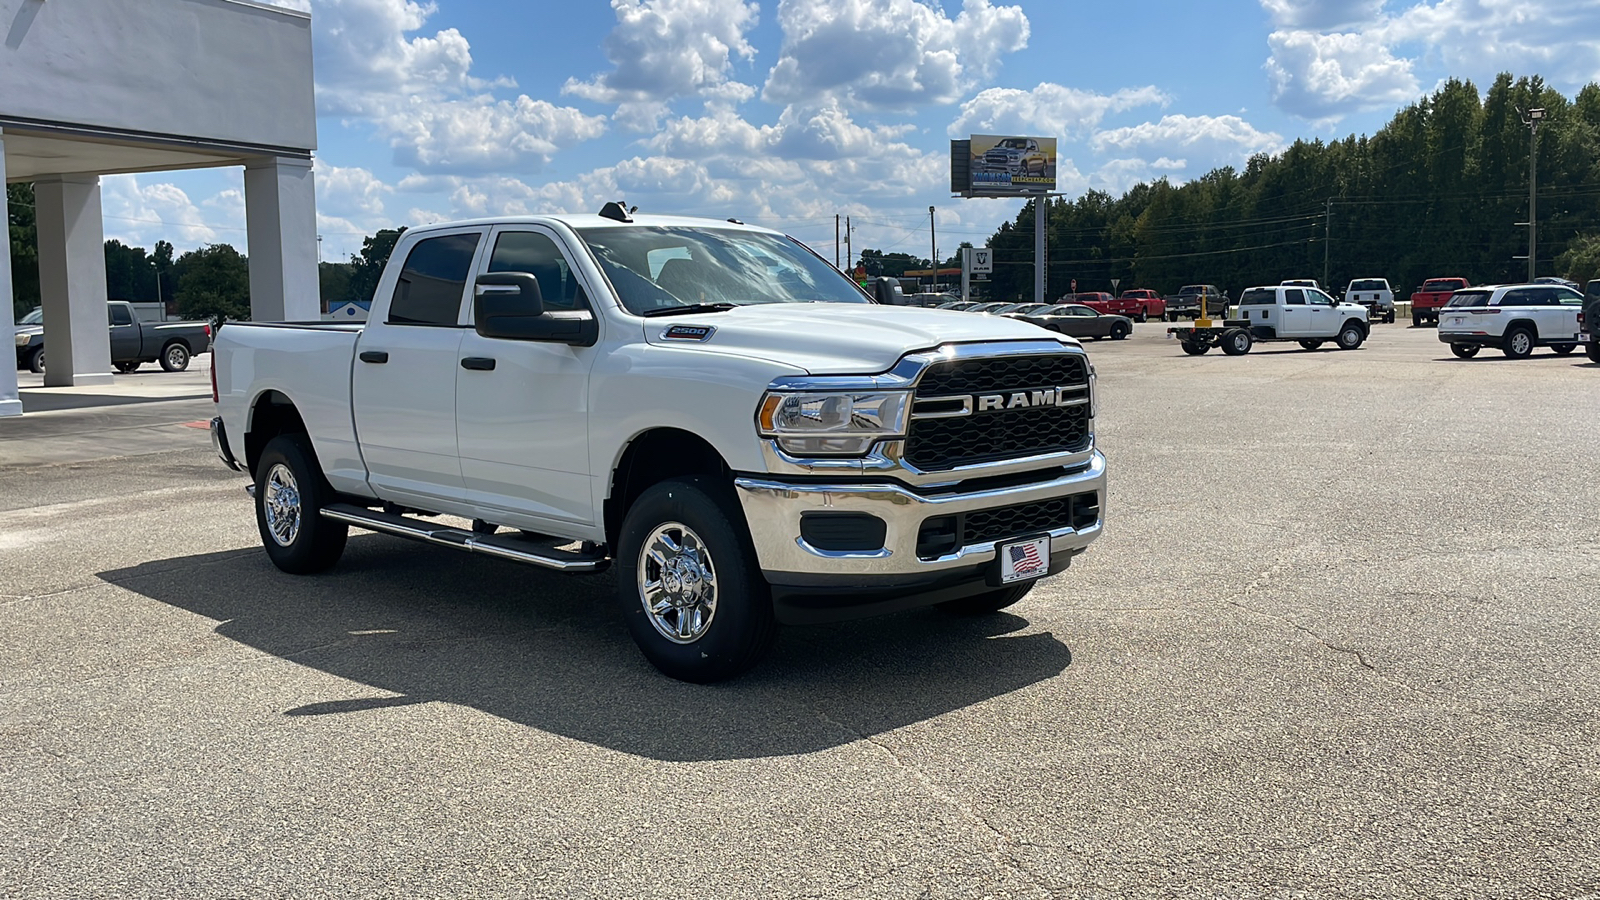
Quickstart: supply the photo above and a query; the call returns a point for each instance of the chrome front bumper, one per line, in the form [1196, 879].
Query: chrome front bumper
[773, 509]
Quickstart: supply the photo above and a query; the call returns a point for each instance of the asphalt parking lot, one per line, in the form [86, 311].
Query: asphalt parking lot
[1341, 639]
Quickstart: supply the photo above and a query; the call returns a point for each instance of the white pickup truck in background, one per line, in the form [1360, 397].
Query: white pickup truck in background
[1283, 312]
[709, 406]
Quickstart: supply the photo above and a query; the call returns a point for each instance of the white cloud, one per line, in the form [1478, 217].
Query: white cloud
[420, 94]
[889, 54]
[1323, 77]
[663, 49]
[1334, 57]
[1200, 143]
[1047, 110]
[140, 214]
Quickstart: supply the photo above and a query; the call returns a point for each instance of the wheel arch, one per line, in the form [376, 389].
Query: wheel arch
[1522, 323]
[271, 413]
[653, 456]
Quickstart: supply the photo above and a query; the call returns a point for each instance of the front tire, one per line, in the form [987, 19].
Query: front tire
[1195, 349]
[987, 602]
[1592, 349]
[1518, 344]
[1564, 349]
[36, 362]
[1119, 331]
[691, 591]
[1464, 351]
[290, 496]
[1350, 336]
[128, 367]
[1310, 345]
[174, 358]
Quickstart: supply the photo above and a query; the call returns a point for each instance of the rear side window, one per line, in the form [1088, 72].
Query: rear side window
[1294, 297]
[120, 315]
[434, 281]
[1259, 297]
[1469, 299]
[1593, 289]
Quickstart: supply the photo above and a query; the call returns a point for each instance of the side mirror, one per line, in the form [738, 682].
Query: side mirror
[520, 315]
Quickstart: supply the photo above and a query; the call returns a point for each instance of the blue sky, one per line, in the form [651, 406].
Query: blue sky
[786, 112]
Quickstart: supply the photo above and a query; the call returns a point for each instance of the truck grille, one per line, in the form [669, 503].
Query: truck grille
[944, 443]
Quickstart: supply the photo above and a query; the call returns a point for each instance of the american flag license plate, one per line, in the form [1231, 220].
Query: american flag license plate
[1022, 560]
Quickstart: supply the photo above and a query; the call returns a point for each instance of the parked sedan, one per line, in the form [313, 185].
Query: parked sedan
[957, 305]
[1076, 320]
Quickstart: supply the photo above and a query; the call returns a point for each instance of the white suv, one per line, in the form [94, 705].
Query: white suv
[1514, 317]
[1375, 294]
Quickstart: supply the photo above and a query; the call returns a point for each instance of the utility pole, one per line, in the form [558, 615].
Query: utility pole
[1327, 234]
[933, 279]
[1039, 261]
[849, 252]
[836, 240]
[1532, 119]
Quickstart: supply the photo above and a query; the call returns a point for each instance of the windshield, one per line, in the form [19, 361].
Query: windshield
[1470, 298]
[1014, 144]
[34, 317]
[658, 268]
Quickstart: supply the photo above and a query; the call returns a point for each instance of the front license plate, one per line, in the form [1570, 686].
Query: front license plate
[1022, 560]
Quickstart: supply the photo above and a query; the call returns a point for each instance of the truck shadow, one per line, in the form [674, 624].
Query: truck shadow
[419, 624]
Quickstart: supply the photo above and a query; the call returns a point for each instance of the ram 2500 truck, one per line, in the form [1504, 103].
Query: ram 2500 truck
[1426, 301]
[708, 407]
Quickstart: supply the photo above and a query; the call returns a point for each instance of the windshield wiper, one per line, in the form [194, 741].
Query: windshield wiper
[691, 308]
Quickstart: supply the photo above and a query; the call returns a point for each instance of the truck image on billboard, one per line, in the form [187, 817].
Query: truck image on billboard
[1007, 164]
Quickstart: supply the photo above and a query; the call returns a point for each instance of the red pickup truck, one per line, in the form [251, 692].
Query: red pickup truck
[1434, 293]
[1144, 303]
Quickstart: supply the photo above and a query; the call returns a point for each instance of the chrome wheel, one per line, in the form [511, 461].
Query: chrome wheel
[1521, 343]
[281, 504]
[677, 583]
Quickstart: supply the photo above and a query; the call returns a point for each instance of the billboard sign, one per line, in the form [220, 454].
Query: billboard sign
[1007, 164]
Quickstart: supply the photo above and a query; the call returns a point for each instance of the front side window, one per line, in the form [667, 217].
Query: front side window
[538, 255]
[658, 268]
[434, 281]
[1318, 298]
[1567, 297]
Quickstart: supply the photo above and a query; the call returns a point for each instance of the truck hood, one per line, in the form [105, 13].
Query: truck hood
[30, 330]
[836, 338]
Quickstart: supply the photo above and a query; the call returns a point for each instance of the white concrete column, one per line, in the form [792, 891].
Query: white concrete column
[9, 404]
[281, 214]
[72, 280]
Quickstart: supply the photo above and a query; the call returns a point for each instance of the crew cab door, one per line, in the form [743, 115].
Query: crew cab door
[124, 332]
[522, 406]
[403, 386]
[1296, 314]
[1325, 316]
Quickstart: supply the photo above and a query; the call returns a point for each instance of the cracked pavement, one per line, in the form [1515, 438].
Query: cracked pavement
[1341, 639]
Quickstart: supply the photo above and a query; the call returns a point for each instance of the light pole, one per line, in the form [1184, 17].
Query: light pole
[933, 252]
[1532, 119]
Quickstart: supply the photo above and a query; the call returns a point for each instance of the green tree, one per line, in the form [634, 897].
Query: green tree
[166, 273]
[24, 249]
[130, 273]
[366, 267]
[1581, 261]
[213, 282]
[333, 283]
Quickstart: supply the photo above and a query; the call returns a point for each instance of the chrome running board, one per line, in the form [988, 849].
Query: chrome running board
[516, 549]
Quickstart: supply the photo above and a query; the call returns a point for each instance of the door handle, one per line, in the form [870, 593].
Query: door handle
[478, 363]
[374, 356]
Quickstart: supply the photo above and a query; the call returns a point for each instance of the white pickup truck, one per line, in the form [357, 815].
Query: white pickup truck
[707, 405]
[1283, 312]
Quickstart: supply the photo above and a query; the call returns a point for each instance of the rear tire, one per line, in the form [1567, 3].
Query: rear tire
[1593, 350]
[688, 583]
[1310, 345]
[987, 602]
[1236, 342]
[290, 496]
[1564, 349]
[1119, 331]
[1465, 351]
[1518, 343]
[174, 357]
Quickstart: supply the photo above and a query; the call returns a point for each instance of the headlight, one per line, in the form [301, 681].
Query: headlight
[833, 424]
[22, 340]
